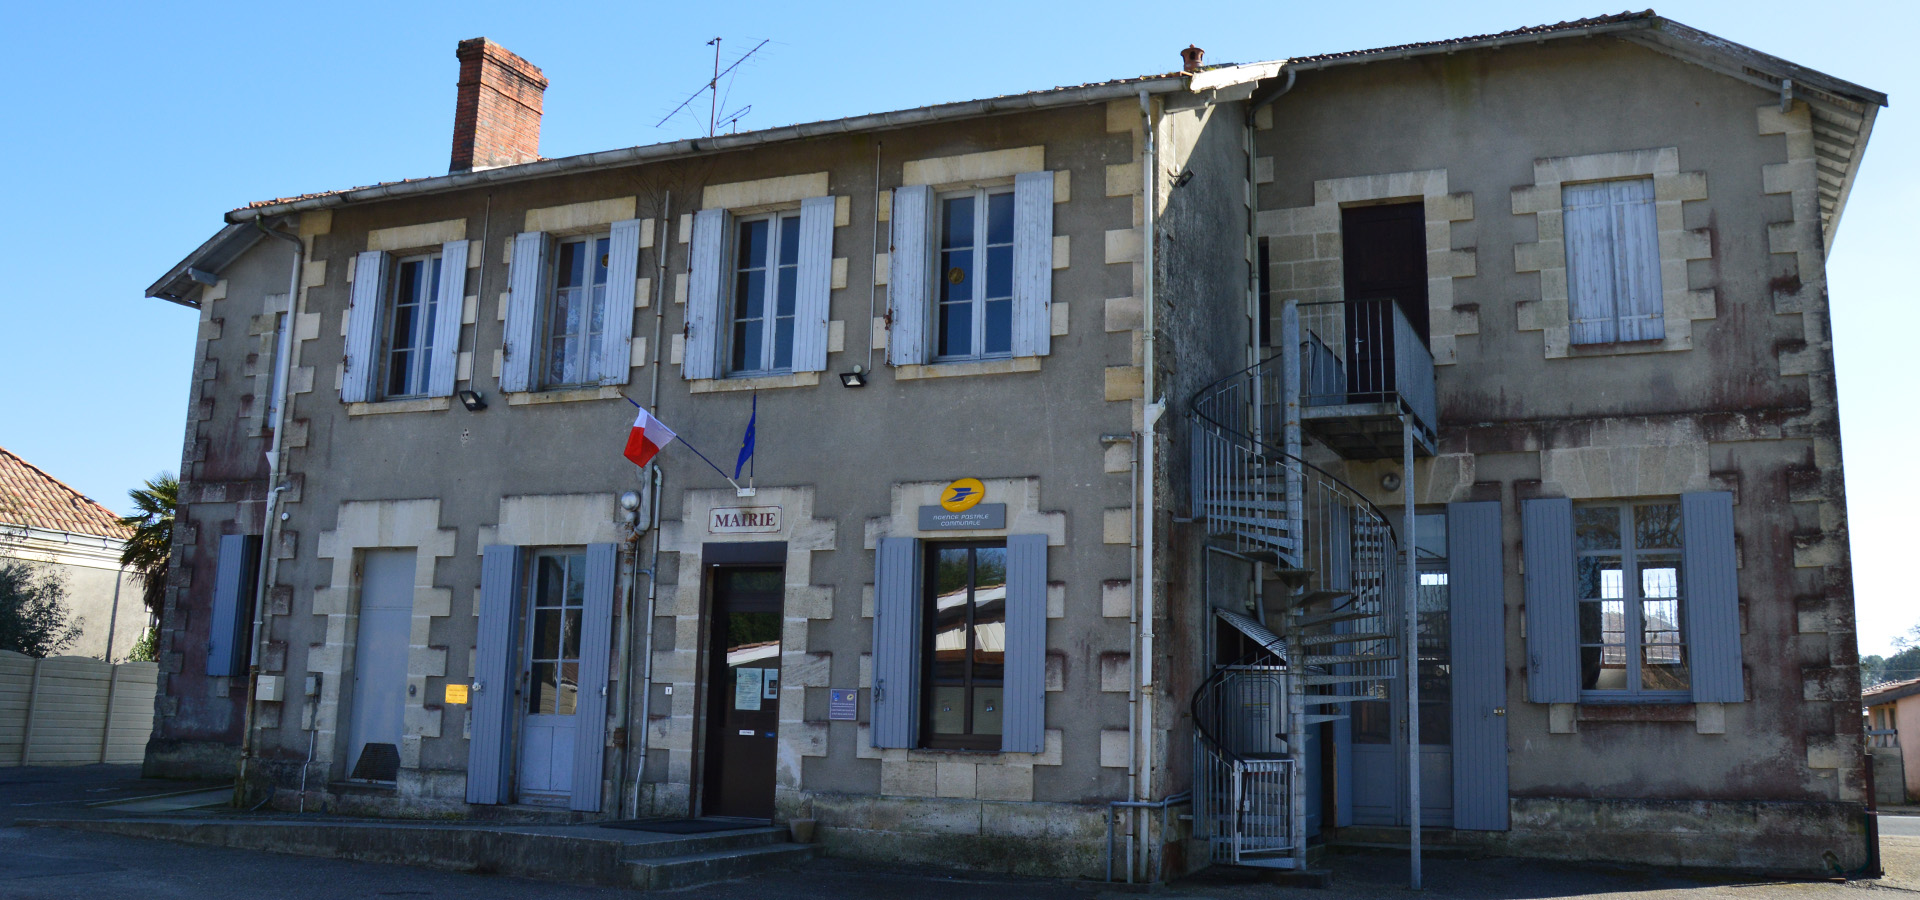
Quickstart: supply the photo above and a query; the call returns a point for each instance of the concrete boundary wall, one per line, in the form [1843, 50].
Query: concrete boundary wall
[70, 710]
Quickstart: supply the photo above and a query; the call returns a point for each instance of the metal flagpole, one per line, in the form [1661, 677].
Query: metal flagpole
[696, 450]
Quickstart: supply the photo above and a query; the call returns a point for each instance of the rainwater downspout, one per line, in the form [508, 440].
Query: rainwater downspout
[269, 525]
[1150, 419]
[637, 739]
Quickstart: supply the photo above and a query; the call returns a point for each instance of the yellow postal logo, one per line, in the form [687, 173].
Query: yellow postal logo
[961, 495]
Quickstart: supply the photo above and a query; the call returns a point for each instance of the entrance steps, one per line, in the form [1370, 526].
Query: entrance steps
[572, 853]
[1436, 843]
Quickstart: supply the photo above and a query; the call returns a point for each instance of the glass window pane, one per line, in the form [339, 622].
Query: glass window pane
[541, 689]
[550, 581]
[949, 710]
[956, 275]
[746, 345]
[570, 270]
[956, 329]
[956, 222]
[1657, 527]
[753, 244]
[1596, 527]
[999, 334]
[1000, 272]
[1659, 578]
[1600, 577]
[1000, 218]
[567, 691]
[786, 290]
[576, 579]
[546, 634]
[1664, 668]
[986, 710]
[789, 240]
[602, 249]
[570, 634]
[750, 293]
[783, 343]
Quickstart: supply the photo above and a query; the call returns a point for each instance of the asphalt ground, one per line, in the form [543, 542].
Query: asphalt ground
[49, 863]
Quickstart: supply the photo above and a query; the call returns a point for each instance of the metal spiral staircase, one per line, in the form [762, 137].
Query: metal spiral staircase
[1321, 609]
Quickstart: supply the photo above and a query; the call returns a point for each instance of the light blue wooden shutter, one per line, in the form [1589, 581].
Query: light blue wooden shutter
[1032, 263]
[909, 275]
[1024, 694]
[590, 712]
[363, 326]
[493, 664]
[1637, 246]
[811, 305]
[449, 306]
[895, 720]
[1588, 223]
[705, 319]
[236, 571]
[1553, 629]
[623, 269]
[1712, 597]
[1476, 586]
[525, 282]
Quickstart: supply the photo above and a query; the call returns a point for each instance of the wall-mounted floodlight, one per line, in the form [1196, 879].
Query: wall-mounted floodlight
[471, 400]
[855, 378]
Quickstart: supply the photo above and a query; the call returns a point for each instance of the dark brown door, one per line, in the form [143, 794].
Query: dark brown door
[1384, 260]
[743, 691]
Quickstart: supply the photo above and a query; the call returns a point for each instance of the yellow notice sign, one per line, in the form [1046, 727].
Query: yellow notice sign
[961, 495]
[456, 693]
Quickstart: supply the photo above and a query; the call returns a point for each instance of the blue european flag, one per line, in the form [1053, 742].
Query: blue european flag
[746, 444]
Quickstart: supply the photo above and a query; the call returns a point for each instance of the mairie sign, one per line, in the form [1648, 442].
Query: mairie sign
[744, 520]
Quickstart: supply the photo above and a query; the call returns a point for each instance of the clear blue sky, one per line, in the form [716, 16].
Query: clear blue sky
[132, 127]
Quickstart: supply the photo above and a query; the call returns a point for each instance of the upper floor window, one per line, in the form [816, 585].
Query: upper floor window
[577, 312]
[1613, 262]
[975, 276]
[1628, 571]
[410, 326]
[766, 280]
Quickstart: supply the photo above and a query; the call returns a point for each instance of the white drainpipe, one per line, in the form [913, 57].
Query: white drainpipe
[1149, 419]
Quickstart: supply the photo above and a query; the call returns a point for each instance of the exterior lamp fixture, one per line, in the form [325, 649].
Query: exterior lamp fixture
[1390, 481]
[471, 400]
[855, 378]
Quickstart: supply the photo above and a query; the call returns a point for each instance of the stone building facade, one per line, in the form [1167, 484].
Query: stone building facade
[1017, 302]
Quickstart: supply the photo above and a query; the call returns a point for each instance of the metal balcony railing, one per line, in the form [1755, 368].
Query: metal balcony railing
[1362, 359]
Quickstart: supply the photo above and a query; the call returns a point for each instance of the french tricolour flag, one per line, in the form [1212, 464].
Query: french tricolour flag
[649, 435]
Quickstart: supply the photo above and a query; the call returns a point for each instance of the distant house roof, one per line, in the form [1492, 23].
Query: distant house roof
[1843, 116]
[1889, 692]
[31, 497]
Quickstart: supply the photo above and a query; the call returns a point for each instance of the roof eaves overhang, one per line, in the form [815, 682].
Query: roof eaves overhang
[219, 251]
[888, 121]
[1891, 693]
[1843, 112]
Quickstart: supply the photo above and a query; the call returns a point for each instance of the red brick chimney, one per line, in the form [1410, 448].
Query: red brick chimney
[1190, 58]
[496, 119]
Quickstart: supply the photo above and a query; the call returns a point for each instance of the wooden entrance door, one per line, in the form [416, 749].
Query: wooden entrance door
[743, 691]
[380, 664]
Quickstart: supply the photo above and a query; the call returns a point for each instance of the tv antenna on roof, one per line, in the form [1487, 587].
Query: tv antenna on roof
[713, 88]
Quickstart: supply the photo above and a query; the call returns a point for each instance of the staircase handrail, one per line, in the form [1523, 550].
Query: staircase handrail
[1196, 407]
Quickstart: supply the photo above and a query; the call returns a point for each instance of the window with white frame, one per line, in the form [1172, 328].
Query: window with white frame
[1631, 616]
[765, 286]
[974, 287]
[410, 324]
[1613, 262]
[576, 314]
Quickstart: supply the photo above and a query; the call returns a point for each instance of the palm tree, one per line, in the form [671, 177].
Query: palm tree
[150, 548]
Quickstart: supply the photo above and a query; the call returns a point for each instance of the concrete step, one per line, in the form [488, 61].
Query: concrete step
[708, 842]
[670, 872]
